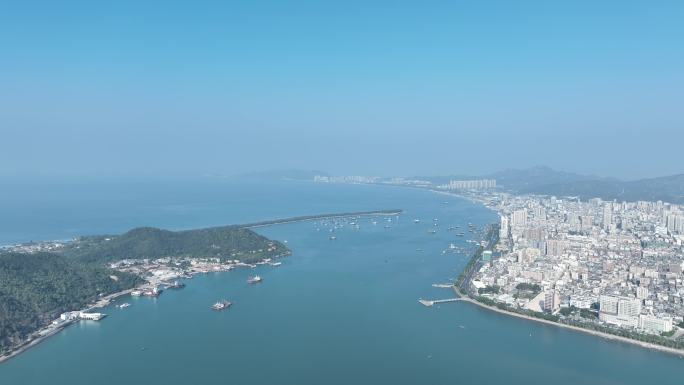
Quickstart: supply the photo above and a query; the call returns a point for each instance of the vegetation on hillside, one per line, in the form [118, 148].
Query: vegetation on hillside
[36, 288]
[230, 242]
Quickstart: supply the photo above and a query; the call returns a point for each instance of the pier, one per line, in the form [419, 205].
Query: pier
[320, 217]
[429, 303]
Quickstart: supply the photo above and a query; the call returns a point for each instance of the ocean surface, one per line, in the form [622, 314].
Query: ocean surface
[335, 312]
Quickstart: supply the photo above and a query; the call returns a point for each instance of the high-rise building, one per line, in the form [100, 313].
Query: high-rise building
[519, 218]
[476, 184]
[619, 311]
[607, 215]
[551, 301]
[641, 292]
[504, 228]
[654, 324]
[555, 247]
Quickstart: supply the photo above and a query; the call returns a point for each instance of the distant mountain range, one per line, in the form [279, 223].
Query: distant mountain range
[544, 180]
[549, 182]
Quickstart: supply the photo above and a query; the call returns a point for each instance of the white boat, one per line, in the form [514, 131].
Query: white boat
[124, 305]
[221, 305]
[136, 293]
[255, 279]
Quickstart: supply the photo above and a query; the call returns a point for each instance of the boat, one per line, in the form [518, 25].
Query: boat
[154, 292]
[432, 231]
[136, 293]
[255, 279]
[332, 237]
[124, 305]
[221, 305]
[416, 221]
[176, 285]
[276, 263]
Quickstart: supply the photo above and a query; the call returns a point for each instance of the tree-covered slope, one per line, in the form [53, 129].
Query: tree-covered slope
[229, 242]
[36, 288]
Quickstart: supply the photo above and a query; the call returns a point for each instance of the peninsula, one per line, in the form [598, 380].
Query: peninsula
[42, 280]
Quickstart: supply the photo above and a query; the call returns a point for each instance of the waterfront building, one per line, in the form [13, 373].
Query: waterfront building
[654, 324]
[476, 184]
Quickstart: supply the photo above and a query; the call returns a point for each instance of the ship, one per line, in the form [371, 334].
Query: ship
[332, 237]
[255, 279]
[416, 221]
[176, 285]
[154, 292]
[136, 293]
[124, 305]
[221, 305]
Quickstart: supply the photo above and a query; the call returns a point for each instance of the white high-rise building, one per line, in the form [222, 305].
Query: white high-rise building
[619, 311]
[607, 215]
[654, 324]
[519, 218]
[641, 292]
[504, 230]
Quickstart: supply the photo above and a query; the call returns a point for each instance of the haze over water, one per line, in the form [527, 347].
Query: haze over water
[335, 312]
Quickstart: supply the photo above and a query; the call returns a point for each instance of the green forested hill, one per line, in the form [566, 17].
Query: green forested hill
[36, 288]
[230, 242]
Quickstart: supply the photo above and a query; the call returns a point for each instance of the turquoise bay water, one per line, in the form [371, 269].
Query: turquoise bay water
[335, 312]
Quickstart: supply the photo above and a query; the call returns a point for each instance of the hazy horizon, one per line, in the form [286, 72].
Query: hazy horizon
[388, 88]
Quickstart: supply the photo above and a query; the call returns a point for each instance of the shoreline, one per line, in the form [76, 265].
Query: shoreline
[52, 331]
[612, 337]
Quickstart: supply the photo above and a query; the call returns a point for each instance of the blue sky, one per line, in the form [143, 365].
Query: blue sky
[352, 87]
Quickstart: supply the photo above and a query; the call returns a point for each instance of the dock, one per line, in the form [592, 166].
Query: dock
[429, 303]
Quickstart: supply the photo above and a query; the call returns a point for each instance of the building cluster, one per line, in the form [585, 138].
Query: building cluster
[622, 260]
[475, 184]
